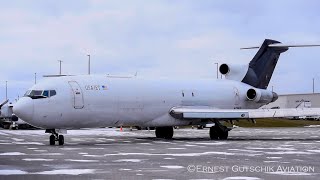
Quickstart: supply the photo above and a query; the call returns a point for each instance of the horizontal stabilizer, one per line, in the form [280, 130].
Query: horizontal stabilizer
[279, 45]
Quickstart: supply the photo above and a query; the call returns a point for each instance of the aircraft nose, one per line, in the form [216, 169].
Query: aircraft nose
[24, 108]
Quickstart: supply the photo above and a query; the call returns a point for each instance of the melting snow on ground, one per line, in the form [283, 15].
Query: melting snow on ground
[36, 159]
[68, 172]
[81, 160]
[178, 154]
[12, 154]
[129, 160]
[12, 172]
[172, 167]
[241, 178]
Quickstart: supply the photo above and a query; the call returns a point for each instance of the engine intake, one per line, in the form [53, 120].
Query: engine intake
[261, 95]
[224, 69]
[233, 71]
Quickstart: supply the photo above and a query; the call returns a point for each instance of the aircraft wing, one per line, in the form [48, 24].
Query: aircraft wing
[211, 113]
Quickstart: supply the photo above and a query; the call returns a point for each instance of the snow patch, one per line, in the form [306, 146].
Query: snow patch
[48, 154]
[28, 143]
[12, 172]
[12, 154]
[81, 160]
[176, 148]
[172, 167]
[68, 172]
[315, 151]
[274, 157]
[67, 149]
[123, 169]
[289, 152]
[36, 159]
[276, 148]
[90, 155]
[241, 178]
[128, 160]
[312, 126]
[211, 143]
[178, 155]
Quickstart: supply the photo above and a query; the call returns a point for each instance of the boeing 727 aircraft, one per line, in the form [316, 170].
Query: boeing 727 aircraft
[87, 101]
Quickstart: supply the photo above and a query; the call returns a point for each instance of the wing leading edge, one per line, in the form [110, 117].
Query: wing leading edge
[210, 113]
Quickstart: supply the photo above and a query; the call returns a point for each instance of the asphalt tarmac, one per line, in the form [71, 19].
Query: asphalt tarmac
[250, 153]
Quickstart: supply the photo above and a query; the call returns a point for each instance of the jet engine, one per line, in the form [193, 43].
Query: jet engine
[261, 95]
[233, 71]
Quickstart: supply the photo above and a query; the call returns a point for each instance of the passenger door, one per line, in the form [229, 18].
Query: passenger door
[77, 98]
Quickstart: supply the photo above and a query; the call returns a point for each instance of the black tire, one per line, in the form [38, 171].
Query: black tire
[224, 135]
[159, 133]
[52, 140]
[164, 132]
[213, 134]
[168, 133]
[61, 140]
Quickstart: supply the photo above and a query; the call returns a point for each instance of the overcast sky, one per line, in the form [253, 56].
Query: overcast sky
[167, 38]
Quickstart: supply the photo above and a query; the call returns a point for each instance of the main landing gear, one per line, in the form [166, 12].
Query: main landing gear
[55, 137]
[164, 132]
[219, 131]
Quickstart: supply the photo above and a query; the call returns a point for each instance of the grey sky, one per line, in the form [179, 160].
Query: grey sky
[156, 38]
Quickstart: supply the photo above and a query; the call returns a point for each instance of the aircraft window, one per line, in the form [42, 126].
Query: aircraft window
[35, 93]
[45, 93]
[27, 93]
[52, 93]
[39, 94]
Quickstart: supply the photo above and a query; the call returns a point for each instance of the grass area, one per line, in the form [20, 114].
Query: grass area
[274, 123]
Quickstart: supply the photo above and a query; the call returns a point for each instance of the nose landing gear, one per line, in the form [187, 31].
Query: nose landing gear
[55, 137]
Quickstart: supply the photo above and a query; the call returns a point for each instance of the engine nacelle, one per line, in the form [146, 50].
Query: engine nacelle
[233, 71]
[261, 95]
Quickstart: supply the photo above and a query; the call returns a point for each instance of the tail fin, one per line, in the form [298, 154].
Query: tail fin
[263, 63]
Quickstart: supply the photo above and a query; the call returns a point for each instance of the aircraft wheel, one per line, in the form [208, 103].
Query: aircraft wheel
[223, 135]
[213, 133]
[61, 140]
[164, 132]
[52, 140]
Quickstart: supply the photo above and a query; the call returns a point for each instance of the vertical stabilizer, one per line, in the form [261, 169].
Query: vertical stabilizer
[263, 63]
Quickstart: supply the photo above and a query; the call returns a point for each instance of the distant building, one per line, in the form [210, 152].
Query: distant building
[295, 101]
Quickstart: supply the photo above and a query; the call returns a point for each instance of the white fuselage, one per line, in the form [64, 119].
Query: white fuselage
[100, 101]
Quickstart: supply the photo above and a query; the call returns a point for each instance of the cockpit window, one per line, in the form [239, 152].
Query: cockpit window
[45, 93]
[27, 93]
[52, 93]
[39, 94]
[35, 93]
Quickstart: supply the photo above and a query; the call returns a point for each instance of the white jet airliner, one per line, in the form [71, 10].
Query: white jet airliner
[88, 101]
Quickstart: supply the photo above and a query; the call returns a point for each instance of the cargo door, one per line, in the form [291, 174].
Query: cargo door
[77, 96]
